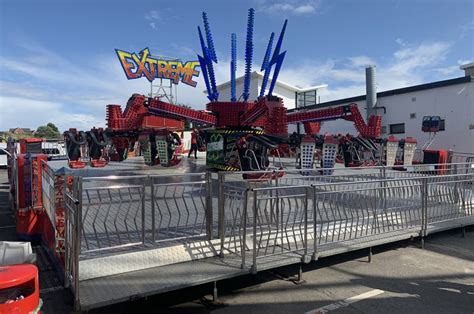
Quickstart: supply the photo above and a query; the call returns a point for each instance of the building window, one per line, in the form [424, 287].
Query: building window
[413, 115]
[441, 125]
[398, 128]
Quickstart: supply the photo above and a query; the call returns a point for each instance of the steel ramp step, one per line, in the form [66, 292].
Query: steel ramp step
[137, 284]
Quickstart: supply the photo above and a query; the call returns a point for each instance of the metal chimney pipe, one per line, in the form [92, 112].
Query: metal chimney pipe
[371, 93]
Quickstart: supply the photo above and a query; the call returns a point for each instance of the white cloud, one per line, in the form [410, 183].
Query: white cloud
[464, 61]
[409, 65]
[465, 29]
[153, 15]
[304, 9]
[401, 42]
[361, 61]
[25, 112]
[184, 50]
[422, 55]
[296, 7]
[447, 70]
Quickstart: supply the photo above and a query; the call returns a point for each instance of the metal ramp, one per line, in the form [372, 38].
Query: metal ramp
[137, 284]
[130, 261]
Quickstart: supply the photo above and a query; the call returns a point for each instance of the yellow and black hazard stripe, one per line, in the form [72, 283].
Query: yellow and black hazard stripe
[256, 132]
[223, 167]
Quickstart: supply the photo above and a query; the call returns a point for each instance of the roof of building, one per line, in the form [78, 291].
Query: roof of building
[466, 66]
[24, 130]
[257, 74]
[398, 91]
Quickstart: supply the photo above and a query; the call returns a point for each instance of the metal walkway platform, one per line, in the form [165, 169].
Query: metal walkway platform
[137, 284]
[128, 286]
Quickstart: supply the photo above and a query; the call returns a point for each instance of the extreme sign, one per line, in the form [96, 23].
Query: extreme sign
[142, 64]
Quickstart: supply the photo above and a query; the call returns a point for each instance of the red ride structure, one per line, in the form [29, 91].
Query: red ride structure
[242, 133]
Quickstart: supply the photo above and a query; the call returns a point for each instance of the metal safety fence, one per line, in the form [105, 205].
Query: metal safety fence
[267, 217]
[120, 212]
[72, 245]
[260, 217]
[181, 210]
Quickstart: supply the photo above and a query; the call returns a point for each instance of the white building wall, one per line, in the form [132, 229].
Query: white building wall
[224, 92]
[342, 126]
[454, 104]
[288, 96]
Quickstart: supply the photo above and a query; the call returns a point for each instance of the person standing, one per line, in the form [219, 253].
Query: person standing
[194, 146]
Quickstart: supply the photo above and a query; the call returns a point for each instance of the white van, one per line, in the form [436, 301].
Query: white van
[53, 148]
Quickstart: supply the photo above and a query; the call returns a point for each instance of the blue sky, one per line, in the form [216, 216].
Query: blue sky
[57, 59]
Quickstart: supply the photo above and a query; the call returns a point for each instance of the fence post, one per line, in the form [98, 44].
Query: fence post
[243, 243]
[456, 185]
[424, 210]
[77, 240]
[143, 211]
[152, 199]
[68, 250]
[383, 176]
[209, 217]
[279, 214]
[383, 196]
[67, 230]
[220, 210]
[254, 246]
[315, 243]
[305, 256]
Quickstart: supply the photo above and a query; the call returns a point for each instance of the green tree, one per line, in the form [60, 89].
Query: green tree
[52, 126]
[48, 131]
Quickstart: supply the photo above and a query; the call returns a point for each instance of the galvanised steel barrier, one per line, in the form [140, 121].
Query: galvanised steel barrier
[120, 212]
[280, 218]
[112, 212]
[288, 218]
[449, 197]
[73, 239]
[269, 216]
[182, 209]
[272, 217]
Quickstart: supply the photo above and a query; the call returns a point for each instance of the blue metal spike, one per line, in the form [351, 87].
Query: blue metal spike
[210, 42]
[209, 76]
[276, 52]
[278, 62]
[248, 54]
[266, 65]
[203, 45]
[268, 52]
[266, 75]
[203, 64]
[233, 66]
[212, 79]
